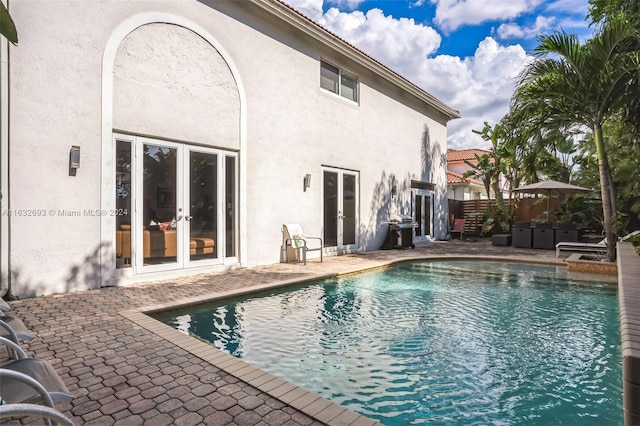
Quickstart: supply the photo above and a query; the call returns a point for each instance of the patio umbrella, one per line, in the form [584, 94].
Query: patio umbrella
[546, 187]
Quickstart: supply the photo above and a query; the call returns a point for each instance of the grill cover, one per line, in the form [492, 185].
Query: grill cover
[400, 218]
[401, 221]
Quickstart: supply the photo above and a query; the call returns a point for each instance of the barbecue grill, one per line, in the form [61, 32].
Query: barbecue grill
[400, 233]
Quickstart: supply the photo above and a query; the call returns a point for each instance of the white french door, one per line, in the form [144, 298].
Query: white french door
[340, 194]
[177, 205]
[422, 213]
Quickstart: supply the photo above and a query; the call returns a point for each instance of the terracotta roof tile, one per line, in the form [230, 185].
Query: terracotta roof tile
[453, 177]
[465, 154]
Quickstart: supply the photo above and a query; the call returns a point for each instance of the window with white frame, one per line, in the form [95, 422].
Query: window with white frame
[338, 81]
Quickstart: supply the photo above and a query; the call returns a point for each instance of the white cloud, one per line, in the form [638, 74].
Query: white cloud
[479, 86]
[310, 8]
[453, 14]
[346, 4]
[576, 7]
[515, 31]
[399, 43]
[571, 16]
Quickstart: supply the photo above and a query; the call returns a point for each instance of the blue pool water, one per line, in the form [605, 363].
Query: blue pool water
[436, 343]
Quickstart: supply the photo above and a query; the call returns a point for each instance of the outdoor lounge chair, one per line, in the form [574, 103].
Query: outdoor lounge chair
[18, 329]
[30, 380]
[599, 247]
[458, 228]
[4, 306]
[295, 238]
[50, 414]
[14, 330]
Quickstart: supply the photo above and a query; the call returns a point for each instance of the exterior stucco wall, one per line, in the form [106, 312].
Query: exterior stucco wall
[170, 82]
[380, 137]
[461, 192]
[293, 128]
[54, 104]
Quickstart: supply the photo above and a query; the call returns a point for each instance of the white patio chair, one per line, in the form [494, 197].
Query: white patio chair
[295, 238]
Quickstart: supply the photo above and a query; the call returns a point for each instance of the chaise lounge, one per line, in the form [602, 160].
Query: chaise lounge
[30, 380]
[34, 411]
[599, 247]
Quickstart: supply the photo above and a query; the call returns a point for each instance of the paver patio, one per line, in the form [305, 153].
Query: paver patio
[122, 373]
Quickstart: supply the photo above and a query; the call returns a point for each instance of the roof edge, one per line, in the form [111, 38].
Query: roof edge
[321, 34]
[464, 180]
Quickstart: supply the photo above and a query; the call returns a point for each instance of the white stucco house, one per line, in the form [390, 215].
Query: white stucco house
[459, 187]
[144, 140]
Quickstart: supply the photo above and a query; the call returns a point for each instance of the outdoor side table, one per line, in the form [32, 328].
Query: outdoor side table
[501, 240]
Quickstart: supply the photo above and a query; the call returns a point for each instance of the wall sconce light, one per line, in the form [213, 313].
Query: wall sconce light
[306, 183]
[394, 191]
[74, 157]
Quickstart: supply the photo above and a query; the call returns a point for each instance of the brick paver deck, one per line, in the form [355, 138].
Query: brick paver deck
[122, 373]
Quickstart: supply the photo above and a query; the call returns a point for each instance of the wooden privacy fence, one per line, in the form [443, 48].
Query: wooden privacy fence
[529, 209]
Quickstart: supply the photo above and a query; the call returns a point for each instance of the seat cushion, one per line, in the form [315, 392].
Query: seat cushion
[196, 243]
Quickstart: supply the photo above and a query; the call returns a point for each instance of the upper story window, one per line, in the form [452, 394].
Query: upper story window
[338, 81]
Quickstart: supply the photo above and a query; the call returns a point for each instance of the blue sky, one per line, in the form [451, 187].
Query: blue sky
[468, 53]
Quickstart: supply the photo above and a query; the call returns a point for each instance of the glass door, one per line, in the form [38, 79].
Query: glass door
[340, 210]
[160, 224]
[348, 211]
[210, 206]
[201, 213]
[178, 205]
[422, 214]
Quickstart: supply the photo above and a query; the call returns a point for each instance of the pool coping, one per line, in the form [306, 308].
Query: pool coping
[310, 403]
[629, 301]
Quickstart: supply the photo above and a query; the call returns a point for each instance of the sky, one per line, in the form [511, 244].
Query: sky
[468, 53]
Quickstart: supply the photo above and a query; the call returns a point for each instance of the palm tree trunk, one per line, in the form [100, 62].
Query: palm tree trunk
[500, 212]
[606, 192]
[612, 191]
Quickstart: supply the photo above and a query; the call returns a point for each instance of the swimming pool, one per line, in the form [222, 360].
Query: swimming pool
[435, 342]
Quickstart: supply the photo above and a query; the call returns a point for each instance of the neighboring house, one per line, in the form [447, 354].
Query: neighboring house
[461, 188]
[146, 140]
[458, 187]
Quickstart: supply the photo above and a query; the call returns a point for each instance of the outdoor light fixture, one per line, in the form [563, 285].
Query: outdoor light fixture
[306, 182]
[74, 157]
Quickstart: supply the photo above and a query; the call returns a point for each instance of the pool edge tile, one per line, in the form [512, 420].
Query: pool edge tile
[293, 394]
[344, 419]
[316, 406]
[326, 415]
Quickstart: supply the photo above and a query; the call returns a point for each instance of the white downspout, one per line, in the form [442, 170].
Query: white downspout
[5, 285]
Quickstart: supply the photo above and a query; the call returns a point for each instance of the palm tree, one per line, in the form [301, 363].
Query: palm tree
[583, 84]
[490, 168]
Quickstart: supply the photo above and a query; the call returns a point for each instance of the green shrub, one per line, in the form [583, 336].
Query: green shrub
[635, 240]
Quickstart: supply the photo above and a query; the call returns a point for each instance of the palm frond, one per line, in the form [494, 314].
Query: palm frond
[7, 27]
